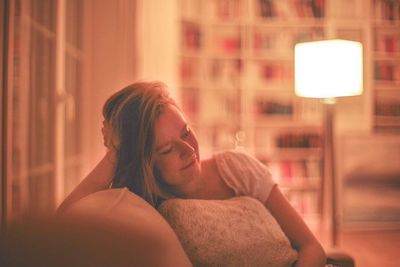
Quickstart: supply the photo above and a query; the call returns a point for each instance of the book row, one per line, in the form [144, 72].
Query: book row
[386, 9]
[234, 9]
[270, 108]
[292, 9]
[225, 72]
[387, 71]
[387, 43]
[228, 39]
[301, 173]
[391, 108]
[298, 140]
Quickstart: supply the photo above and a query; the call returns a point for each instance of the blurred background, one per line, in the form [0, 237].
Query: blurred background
[229, 63]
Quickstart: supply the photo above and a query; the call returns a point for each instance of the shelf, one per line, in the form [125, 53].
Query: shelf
[245, 77]
[295, 23]
[267, 56]
[387, 120]
[390, 25]
[387, 56]
[386, 64]
[300, 184]
[297, 153]
[391, 85]
[222, 23]
[190, 54]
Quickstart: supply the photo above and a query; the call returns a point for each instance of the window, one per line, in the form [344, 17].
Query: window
[46, 39]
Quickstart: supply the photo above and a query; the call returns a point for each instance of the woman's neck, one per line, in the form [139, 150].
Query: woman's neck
[197, 187]
[214, 185]
[208, 184]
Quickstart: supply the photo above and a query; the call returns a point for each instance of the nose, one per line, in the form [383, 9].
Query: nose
[186, 149]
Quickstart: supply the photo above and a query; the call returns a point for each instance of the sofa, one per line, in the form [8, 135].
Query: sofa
[108, 228]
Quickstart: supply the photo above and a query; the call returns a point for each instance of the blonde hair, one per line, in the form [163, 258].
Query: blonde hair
[132, 113]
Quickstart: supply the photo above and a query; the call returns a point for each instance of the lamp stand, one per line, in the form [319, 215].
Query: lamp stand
[329, 211]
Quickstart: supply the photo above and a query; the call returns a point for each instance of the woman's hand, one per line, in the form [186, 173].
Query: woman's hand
[100, 178]
[311, 253]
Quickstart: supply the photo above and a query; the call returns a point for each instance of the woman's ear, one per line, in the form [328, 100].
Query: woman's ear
[110, 136]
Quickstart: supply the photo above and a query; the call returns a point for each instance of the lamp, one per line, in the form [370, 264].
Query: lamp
[328, 69]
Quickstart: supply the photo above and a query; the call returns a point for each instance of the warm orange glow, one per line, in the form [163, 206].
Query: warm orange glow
[327, 69]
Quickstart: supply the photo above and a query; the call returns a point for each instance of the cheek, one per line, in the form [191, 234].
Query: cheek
[166, 165]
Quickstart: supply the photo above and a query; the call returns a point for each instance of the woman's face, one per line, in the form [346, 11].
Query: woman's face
[176, 150]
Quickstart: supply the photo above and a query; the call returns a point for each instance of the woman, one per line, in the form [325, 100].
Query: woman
[154, 153]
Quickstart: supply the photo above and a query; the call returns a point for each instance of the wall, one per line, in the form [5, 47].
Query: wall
[127, 40]
[157, 40]
[111, 64]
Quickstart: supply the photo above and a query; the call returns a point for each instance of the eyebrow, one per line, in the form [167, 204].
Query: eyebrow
[159, 147]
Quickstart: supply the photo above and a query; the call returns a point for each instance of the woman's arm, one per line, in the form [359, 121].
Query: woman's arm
[311, 253]
[98, 179]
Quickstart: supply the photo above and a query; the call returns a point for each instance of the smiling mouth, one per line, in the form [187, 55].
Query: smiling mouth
[190, 163]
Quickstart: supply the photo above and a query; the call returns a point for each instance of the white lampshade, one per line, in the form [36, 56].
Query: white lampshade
[328, 69]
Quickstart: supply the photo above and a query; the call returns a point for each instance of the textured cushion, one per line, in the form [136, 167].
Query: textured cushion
[234, 232]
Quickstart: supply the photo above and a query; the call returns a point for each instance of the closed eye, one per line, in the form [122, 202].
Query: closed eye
[167, 151]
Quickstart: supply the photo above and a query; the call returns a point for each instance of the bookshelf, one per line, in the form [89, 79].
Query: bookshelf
[236, 74]
[236, 80]
[386, 64]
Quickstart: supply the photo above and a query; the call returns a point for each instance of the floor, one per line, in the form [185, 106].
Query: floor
[372, 248]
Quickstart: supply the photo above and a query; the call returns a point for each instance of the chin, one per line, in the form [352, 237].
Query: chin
[194, 171]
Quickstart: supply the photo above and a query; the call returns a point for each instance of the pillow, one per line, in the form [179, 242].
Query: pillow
[236, 232]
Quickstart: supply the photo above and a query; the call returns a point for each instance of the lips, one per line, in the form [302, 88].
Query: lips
[192, 160]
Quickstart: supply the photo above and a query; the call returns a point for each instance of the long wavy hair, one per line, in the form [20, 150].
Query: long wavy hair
[132, 113]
